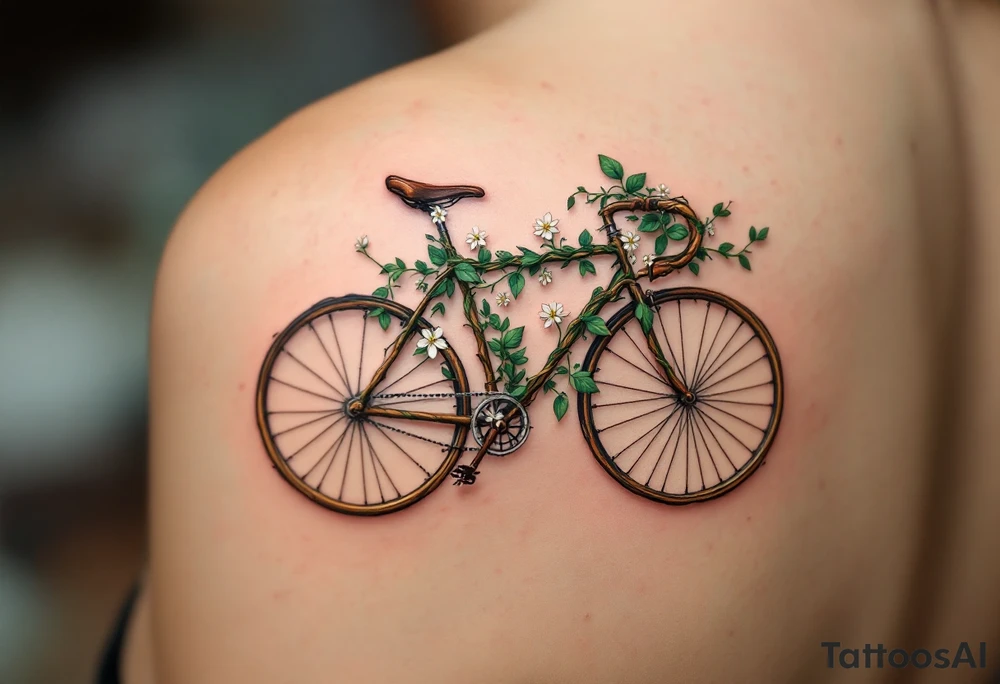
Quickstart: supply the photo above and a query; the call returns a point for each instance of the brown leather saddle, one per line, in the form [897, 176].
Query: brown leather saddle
[425, 196]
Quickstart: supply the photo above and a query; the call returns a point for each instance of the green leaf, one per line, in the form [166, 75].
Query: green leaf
[518, 392]
[631, 217]
[635, 182]
[586, 266]
[649, 223]
[744, 262]
[440, 288]
[549, 385]
[485, 308]
[725, 247]
[505, 325]
[516, 283]
[717, 209]
[446, 372]
[597, 290]
[437, 255]
[438, 308]
[678, 231]
[375, 313]
[570, 202]
[533, 270]
[724, 213]
[586, 239]
[484, 255]
[419, 350]
[495, 321]
[596, 325]
[518, 376]
[753, 234]
[661, 244]
[612, 168]
[583, 383]
[702, 253]
[504, 255]
[382, 292]
[512, 338]
[560, 405]
[389, 268]
[449, 286]
[421, 266]
[519, 358]
[400, 263]
[645, 316]
[495, 347]
[694, 267]
[466, 272]
[762, 234]
[528, 257]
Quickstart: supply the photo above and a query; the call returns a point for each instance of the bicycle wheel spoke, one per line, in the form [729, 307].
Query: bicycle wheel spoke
[708, 354]
[326, 351]
[347, 459]
[301, 389]
[633, 401]
[735, 373]
[731, 357]
[741, 389]
[710, 367]
[310, 442]
[733, 415]
[340, 351]
[631, 389]
[401, 449]
[670, 348]
[659, 427]
[701, 342]
[385, 390]
[708, 449]
[680, 323]
[654, 366]
[376, 463]
[716, 440]
[335, 447]
[677, 444]
[314, 373]
[364, 332]
[629, 420]
[644, 372]
[723, 428]
[308, 422]
[639, 438]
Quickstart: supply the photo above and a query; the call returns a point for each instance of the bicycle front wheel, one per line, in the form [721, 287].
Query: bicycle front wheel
[648, 437]
[354, 463]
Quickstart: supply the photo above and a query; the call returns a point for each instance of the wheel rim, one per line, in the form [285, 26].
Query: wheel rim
[651, 440]
[356, 463]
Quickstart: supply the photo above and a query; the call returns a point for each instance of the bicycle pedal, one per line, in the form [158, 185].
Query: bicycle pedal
[464, 475]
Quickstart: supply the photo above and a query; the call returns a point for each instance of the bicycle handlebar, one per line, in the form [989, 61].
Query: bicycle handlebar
[661, 265]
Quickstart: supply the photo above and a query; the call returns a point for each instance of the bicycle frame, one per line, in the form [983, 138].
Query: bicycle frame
[625, 279]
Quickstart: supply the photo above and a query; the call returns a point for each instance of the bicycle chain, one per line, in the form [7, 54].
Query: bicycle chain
[436, 395]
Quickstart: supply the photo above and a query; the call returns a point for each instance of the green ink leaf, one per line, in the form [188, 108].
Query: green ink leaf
[596, 325]
[717, 209]
[560, 405]
[612, 168]
[649, 223]
[484, 255]
[635, 182]
[586, 239]
[528, 257]
[438, 308]
[631, 217]
[495, 321]
[382, 292]
[678, 231]
[517, 392]
[419, 350]
[519, 358]
[466, 272]
[549, 385]
[753, 234]
[583, 383]
[533, 270]
[702, 253]
[503, 255]
[437, 255]
[446, 372]
[440, 288]
[495, 347]
[645, 316]
[375, 313]
[486, 308]
[516, 283]
[586, 266]
[725, 247]
[400, 263]
[597, 290]
[570, 202]
[744, 262]
[762, 234]
[512, 338]
[694, 267]
[421, 266]
[661, 244]
[505, 325]
[449, 286]
[562, 370]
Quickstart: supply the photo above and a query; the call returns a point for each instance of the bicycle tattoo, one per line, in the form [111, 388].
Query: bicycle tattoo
[365, 408]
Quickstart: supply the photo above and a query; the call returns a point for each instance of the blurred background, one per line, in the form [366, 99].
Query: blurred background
[112, 114]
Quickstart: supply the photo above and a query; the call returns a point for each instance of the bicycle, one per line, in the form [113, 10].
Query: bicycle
[356, 440]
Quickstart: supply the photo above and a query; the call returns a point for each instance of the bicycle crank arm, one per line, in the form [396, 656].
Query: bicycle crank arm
[356, 408]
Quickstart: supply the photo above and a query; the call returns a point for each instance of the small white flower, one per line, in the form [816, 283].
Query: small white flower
[648, 259]
[438, 214]
[503, 299]
[361, 244]
[629, 241]
[545, 227]
[545, 277]
[710, 229]
[476, 239]
[631, 258]
[494, 417]
[432, 340]
[551, 313]
[663, 190]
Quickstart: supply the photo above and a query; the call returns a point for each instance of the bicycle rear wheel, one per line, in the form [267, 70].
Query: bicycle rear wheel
[648, 437]
[358, 464]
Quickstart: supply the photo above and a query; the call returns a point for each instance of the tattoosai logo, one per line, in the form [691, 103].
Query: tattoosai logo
[965, 656]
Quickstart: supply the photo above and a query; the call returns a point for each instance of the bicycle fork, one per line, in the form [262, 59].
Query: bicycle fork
[663, 366]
